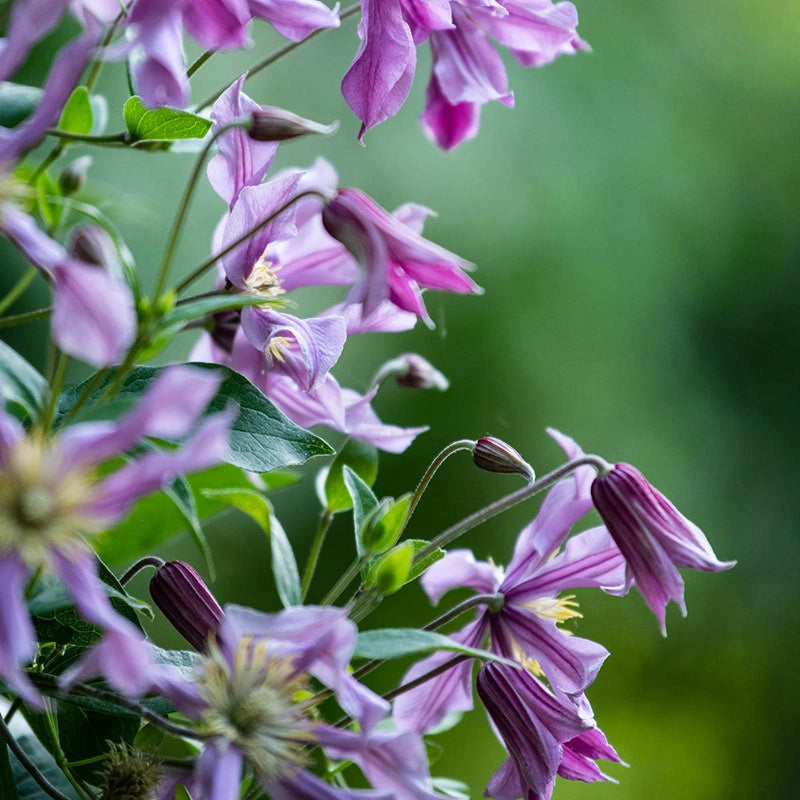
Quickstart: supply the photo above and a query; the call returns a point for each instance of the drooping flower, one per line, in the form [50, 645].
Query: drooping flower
[398, 261]
[545, 735]
[523, 623]
[248, 695]
[654, 537]
[50, 499]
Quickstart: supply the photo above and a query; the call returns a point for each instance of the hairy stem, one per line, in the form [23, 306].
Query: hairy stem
[316, 547]
[17, 289]
[27, 316]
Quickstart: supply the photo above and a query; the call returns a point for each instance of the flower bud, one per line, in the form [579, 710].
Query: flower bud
[73, 177]
[495, 455]
[93, 245]
[186, 602]
[416, 372]
[272, 124]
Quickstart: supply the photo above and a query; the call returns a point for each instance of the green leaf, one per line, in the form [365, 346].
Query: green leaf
[77, 115]
[388, 643]
[370, 570]
[284, 565]
[17, 102]
[364, 503]
[185, 661]
[362, 458]
[390, 571]
[20, 382]
[386, 524]
[262, 438]
[452, 788]
[8, 788]
[181, 494]
[186, 312]
[27, 788]
[162, 123]
[46, 189]
[182, 793]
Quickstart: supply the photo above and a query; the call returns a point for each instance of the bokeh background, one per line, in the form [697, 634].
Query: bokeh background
[635, 221]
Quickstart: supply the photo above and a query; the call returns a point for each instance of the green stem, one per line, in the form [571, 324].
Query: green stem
[57, 380]
[509, 501]
[183, 208]
[275, 55]
[208, 263]
[105, 140]
[17, 289]
[198, 62]
[316, 547]
[94, 74]
[12, 709]
[28, 316]
[29, 766]
[48, 160]
[344, 581]
[61, 759]
[453, 447]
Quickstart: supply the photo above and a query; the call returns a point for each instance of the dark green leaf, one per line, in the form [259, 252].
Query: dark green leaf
[398, 642]
[77, 115]
[364, 503]
[17, 102]
[362, 458]
[185, 312]
[284, 565]
[27, 787]
[20, 382]
[262, 438]
[8, 787]
[162, 123]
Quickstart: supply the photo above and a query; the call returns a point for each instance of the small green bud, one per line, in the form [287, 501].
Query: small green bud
[385, 523]
[73, 176]
[393, 568]
[165, 303]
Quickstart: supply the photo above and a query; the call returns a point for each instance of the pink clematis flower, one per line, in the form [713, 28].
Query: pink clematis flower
[49, 499]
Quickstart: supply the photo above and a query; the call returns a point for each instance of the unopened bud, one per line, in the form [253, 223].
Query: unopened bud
[414, 372]
[272, 124]
[186, 602]
[93, 245]
[495, 455]
[73, 176]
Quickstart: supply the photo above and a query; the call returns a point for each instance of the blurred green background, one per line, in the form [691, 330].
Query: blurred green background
[635, 224]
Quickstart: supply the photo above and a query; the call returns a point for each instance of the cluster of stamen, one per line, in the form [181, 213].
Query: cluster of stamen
[560, 609]
[42, 504]
[263, 279]
[256, 703]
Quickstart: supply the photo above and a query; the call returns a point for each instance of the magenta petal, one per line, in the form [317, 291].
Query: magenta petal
[295, 19]
[219, 772]
[241, 161]
[459, 568]
[93, 314]
[379, 79]
[218, 24]
[446, 124]
[17, 637]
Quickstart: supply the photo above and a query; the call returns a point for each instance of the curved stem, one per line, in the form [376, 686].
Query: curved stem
[27, 316]
[29, 766]
[274, 56]
[344, 581]
[18, 288]
[104, 140]
[183, 208]
[94, 74]
[147, 561]
[453, 447]
[209, 262]
[198, 62]
[96, 380]
[316, 547]
[510, 500]
[430, 675]
[59, 371]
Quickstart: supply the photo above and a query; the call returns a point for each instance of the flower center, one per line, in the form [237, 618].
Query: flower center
[558, 608]
[41, 504]
[254, 704]
[263, 279]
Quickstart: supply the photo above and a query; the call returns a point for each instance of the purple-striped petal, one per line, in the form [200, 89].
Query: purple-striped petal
[459, 568]
[218, 772]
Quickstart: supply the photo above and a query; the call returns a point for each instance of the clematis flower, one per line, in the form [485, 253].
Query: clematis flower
[50, 499]
[523, 624]
[545, 735]
[398, 261]
[654, 537]
[247, 693]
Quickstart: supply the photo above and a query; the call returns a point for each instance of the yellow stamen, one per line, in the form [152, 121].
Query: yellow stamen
[263, 279]
[558, 608]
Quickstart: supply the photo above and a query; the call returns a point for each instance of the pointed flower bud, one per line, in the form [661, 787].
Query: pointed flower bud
[73, 177]
[92, 244]
[186, 602]
[494, 455]
[653, 536]
[273, 124]
[414, 372]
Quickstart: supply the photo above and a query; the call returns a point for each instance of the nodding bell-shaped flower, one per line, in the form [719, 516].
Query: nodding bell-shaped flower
[494, 455]
[653, 536]
[413, 371]
[187, 603]
[273, 124]
[92, 244]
